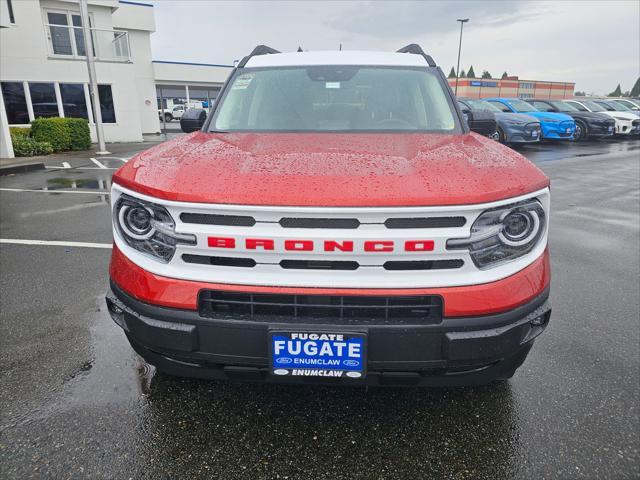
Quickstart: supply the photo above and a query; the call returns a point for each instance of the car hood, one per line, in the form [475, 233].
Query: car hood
[515, 117]
[554, 116]
[625, 115]
[593, 116]
[328, 169]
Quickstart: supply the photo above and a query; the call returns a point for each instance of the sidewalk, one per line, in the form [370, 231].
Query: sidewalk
[26, 164]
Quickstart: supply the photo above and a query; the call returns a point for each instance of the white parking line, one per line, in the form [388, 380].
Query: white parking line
[97, 163]
[66, 164]
[83, 168]
[53, 243]
[89, 192]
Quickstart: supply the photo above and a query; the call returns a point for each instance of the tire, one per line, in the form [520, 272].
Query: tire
[168, 117]
[502, 138]
[581, 131]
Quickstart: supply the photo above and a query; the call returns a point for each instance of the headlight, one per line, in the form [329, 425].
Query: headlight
[515, 123]
[550, 120]
[502, 234]
[148, 228]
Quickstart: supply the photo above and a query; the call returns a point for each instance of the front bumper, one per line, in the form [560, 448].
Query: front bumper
[457, 351]
[558, 131]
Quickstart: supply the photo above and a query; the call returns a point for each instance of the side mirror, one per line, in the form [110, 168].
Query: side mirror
[468, 116]
[193, 119]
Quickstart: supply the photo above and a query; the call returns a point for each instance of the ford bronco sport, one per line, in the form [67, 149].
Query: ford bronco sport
[333, 221]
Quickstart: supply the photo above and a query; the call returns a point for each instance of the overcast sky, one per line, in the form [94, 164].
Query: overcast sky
[593, 43]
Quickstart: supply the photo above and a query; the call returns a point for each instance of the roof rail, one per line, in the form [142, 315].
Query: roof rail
[259, 50]
[417, 50]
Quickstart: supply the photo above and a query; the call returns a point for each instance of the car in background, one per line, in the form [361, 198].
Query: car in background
[512, 128]
[627, 123]
[556, 126]
[630, 103]
[588, 124]
[482, 122]
[613, 106]
[177, 111]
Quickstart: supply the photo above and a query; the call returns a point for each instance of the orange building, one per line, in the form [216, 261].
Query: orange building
[511, 87]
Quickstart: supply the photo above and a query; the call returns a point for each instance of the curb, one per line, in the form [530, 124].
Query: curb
[25, 167]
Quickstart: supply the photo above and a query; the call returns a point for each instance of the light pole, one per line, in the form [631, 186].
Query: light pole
[462, 22]
[93, 83]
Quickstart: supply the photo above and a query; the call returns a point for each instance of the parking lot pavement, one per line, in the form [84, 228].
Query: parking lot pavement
[76, 402]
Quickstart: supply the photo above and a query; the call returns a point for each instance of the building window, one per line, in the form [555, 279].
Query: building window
[526, 95]
[106, 104]
[15, 103]
[527, 85]
[12, 18]
[43, 100]
[73, 100]
[65, 33]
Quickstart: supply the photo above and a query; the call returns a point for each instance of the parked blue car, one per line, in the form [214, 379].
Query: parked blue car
[554, 125]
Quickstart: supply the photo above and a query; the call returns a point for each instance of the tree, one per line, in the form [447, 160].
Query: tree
[635, 91]
[616, 93]
[579, 94]
[471, 73]
[462, 74]
[504, 75]
[452, 73]
[486, 74]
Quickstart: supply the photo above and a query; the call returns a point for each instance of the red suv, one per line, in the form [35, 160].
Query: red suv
[332, 220]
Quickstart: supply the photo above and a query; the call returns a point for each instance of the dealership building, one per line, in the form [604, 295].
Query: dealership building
[43, 70]
[511, 87]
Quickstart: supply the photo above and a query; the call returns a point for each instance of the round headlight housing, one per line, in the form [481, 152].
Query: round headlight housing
[503, 234]
[148, 228]
[136, 221]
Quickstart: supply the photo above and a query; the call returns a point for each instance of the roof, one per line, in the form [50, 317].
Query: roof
[334, 57]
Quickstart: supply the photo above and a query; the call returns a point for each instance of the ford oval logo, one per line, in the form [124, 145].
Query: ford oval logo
[284, 360]
[350, 363]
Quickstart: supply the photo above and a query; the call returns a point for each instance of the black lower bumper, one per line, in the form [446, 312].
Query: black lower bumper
[457, 351]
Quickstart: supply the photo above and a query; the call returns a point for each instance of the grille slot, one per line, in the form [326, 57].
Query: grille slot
[323, 309]
[423, 264]
[219, 261]
[290, 222]
[425, 222]
[319, 265]
[212, 219]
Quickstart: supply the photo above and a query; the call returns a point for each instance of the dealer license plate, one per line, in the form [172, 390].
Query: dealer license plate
[534, 133]
[610, 129]
[318, 354]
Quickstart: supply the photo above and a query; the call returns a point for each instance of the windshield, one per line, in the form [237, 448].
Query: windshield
[521, 106]
[619, 106]
[482, 105]
[334, 98]
[593, 106]
[562, 106]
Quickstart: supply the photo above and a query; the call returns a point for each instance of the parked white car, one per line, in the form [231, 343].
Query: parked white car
[627, 123]
[177, 111]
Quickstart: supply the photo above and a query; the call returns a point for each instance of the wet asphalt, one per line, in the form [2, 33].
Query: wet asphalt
[76, 402]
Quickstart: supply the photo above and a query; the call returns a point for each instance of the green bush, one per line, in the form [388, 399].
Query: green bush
[24, 146]
[80, 136]
[54, 130]
[19, 132]
[62, 133]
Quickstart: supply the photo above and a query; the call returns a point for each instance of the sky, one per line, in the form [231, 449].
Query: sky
[595, 44]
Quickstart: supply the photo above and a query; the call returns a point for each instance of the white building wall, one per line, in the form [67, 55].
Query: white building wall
[190, 73]
[26, 56]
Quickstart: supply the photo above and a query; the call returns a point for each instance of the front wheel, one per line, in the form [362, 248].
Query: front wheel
[168, 117]
[502, 138]
[581, 132]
